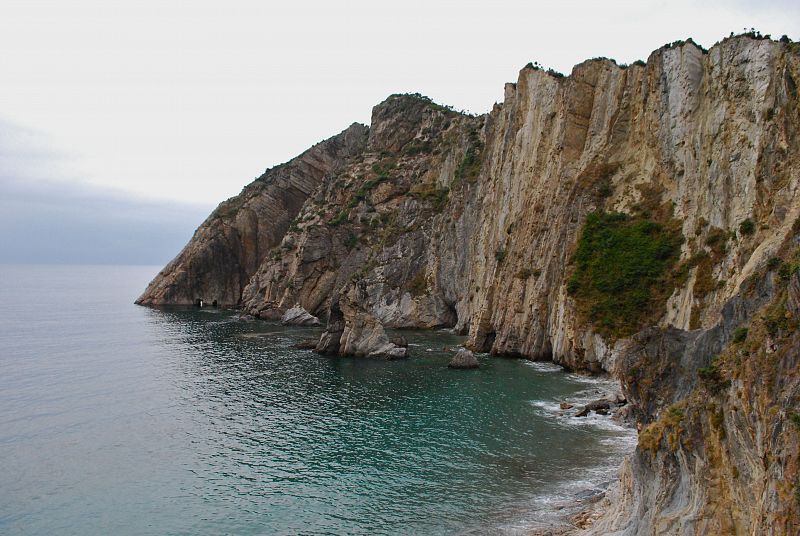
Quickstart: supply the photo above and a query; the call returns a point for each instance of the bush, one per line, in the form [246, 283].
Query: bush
[774, 263]
[717, 240]
[786, 271]
[418, 285]
[740, 335]
[351, 241]
[524, 273]
[431, 192]
[500, 255]
[795, 418]
[416, 147]
[747, 227]
[620, 272]
[339, 219]
[711, 377]
[572, 286]
[470, 165]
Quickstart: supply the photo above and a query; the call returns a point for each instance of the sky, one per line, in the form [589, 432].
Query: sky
[179, 104]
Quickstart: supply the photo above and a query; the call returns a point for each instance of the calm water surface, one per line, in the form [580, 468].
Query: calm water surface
[119, 419]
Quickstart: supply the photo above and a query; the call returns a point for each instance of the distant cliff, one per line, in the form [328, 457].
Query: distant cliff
[642, 220]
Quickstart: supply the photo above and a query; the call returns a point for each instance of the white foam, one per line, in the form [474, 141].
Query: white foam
[543, 366]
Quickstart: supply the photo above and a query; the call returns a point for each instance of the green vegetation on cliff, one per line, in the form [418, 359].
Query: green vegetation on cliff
[621, 265]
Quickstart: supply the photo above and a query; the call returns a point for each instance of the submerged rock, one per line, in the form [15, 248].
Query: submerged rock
[297, 316]
[464, 359]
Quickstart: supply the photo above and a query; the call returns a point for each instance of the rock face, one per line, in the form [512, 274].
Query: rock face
[297, 316]
[433, 218]
[232, 243]
[353, 331]
[464, 359]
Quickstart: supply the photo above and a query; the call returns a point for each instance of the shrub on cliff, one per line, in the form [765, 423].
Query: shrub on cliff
[470, 165]
[432, 193]
[621, 268]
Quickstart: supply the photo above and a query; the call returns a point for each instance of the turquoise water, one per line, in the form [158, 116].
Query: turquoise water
[119, 419]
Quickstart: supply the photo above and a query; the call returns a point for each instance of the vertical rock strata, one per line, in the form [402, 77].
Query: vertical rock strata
[431, 217]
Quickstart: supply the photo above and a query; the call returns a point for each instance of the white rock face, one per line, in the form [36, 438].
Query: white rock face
[297, 316]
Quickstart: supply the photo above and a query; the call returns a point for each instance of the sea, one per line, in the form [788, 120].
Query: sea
[127, 420]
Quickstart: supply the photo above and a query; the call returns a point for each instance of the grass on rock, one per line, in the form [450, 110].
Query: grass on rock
[622, 267]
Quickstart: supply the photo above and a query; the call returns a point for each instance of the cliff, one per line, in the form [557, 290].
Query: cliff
[232, 243]
[631, 219]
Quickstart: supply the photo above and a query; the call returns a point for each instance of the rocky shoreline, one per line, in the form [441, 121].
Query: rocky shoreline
[640, 220]
[576, 504]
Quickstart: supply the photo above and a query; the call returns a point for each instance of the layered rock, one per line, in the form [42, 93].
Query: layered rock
[228, 248]
[353, 331]
[297, 316]
[435, 218]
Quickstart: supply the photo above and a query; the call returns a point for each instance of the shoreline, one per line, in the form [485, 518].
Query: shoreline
[576, 503]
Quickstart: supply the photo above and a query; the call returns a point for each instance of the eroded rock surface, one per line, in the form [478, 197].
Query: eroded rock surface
[227, 249]
[297, 316]
[354, 331]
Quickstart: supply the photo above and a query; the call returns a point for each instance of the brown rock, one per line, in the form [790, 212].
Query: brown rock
[464, 359]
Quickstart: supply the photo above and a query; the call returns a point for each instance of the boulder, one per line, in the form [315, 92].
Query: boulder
[354, 331]
[566, 405]
[603, 403]
[464, 359]
[601, 407]
[399, 340]
[297, 316]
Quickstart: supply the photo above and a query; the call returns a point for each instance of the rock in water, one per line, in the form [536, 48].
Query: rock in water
[601, 407]
[389, 352]
[464, 359]
[353, 331]
[297, 316]
[399, 340]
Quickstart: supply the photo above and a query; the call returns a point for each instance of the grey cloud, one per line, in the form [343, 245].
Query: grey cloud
[64, 221]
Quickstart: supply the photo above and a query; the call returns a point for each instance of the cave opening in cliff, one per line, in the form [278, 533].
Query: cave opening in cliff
[214, 303]
[488, 342]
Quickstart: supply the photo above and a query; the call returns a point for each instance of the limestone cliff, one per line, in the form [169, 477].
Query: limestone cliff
[631, 219]
[231, 244]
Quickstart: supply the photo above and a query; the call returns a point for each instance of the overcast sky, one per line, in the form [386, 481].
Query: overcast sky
[189, 100]
[185, 102]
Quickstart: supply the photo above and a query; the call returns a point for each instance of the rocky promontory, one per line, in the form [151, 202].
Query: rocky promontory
[639, 220]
